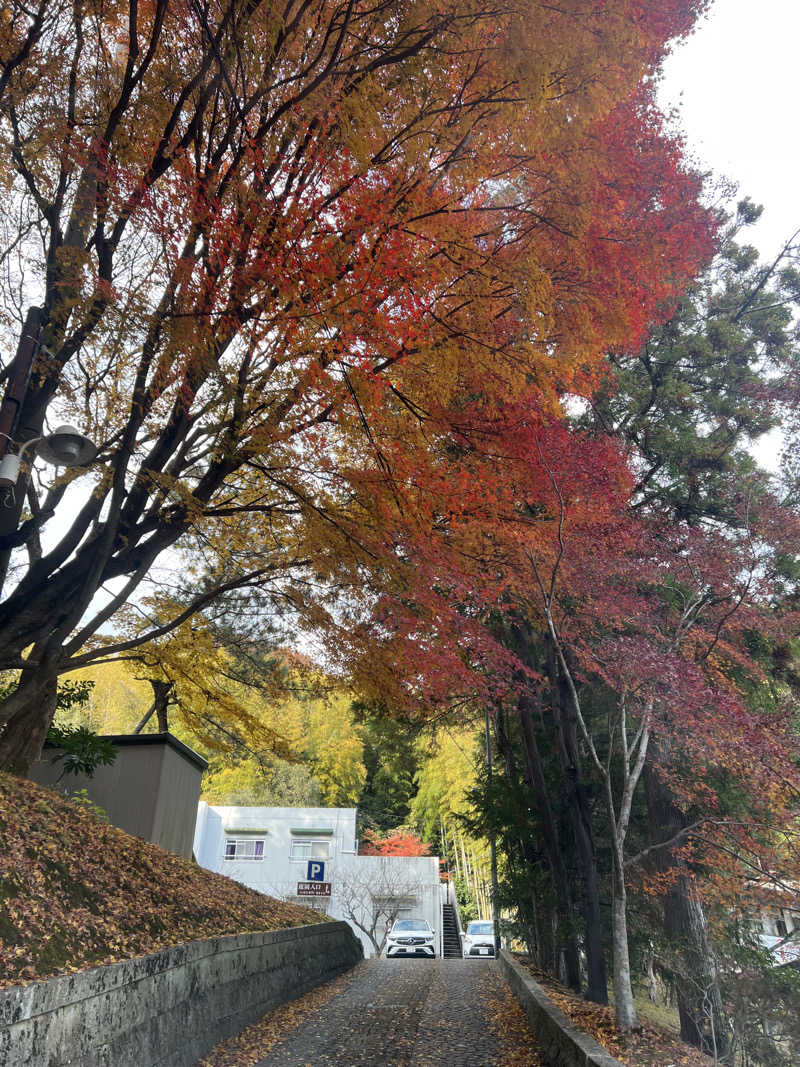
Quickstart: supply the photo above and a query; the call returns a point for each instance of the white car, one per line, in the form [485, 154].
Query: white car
[411, 937]
[478, 939]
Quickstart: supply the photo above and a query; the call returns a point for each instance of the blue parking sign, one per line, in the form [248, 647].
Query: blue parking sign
[316, 871]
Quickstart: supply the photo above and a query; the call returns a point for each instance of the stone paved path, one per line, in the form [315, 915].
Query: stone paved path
[415, 1013]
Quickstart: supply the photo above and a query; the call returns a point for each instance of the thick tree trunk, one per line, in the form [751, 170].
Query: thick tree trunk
[547, 954]
[541, 944]
[702, 1015]
[28, 713]
[555, 856]
[581, 822]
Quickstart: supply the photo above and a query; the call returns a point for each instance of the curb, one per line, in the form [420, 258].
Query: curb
[563, 1044]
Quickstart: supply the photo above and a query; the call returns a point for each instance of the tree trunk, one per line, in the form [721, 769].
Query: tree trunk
[624, 1007]
[702, 1015]
[29, 710]
[554, 854]
[581, 822]
[162, 698]
[547, 956]
[540, 944]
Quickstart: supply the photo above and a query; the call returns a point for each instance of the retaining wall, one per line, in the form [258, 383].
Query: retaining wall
[171, 1008]
[562, 1043]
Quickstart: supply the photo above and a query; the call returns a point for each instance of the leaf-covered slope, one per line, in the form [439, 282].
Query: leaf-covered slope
[75, 891]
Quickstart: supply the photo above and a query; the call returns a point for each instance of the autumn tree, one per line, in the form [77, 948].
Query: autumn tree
[657, 614]
[257, 718]
[259, 243]
[493, 507]
[445, 775]
[689, 403]
[372, 896]
[400, 842]
[267, 781]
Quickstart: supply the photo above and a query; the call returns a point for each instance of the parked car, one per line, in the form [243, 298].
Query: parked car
[478, 939]
[411, 937]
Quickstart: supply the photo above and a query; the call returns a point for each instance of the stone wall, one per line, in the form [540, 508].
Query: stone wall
[563, 1044]
[172, 1007]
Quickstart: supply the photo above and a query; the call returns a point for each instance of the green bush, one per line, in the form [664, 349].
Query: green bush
[82, 750]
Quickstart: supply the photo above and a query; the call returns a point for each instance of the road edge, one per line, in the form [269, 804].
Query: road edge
[563, 1044]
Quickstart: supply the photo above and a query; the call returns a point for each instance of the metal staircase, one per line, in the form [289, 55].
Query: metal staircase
[451, 942]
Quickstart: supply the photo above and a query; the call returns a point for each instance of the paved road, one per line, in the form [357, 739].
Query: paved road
[414, 1013]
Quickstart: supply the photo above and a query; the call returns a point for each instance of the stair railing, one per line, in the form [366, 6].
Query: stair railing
[458, 924]
[444, 898]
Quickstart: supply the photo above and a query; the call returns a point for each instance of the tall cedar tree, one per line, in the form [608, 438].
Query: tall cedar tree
[714, 378]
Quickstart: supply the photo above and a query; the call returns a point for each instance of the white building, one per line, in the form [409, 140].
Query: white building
[292, 853]
[779, 931]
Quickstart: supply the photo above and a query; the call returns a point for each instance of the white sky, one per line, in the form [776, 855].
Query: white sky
[735, 82]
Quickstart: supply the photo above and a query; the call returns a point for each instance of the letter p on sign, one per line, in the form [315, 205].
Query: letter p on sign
[316, 871]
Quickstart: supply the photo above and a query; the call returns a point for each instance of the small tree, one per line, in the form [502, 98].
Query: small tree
[372, 900]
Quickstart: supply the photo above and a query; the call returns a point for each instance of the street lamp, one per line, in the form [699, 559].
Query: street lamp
[66, 446]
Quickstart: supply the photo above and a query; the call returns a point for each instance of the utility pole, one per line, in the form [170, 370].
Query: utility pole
[492, 845]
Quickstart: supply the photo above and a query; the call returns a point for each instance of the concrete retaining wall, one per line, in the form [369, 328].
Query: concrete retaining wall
[170, 1008]
[562, 1043]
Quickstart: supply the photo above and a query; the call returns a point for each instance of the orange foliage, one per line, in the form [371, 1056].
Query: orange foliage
[401, 842]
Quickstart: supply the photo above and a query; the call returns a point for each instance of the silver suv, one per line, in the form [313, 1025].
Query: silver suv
[411, 937]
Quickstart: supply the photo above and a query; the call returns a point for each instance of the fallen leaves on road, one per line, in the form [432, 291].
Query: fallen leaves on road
[510, 1026]
[253, 1044]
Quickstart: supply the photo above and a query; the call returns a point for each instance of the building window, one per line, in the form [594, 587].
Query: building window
[244, 848]
[308, 848]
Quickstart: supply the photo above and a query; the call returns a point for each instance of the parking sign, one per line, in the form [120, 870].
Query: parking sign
[316, 871]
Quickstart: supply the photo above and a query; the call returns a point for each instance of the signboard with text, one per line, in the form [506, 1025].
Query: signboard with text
[313, 889]
[316, 871]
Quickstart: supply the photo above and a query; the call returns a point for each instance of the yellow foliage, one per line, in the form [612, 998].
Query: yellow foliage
[335, 751]
[444, 779]
[117, 701]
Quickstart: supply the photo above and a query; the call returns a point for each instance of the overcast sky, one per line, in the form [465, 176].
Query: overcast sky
[735, 82]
